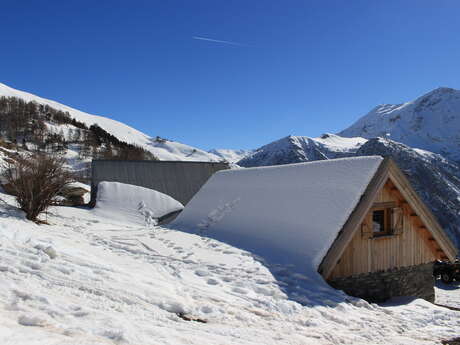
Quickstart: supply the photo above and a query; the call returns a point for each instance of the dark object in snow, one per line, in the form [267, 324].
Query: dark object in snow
[455, 341]
[447, 306]
[447, 271]
[190, 318]
[73, 196]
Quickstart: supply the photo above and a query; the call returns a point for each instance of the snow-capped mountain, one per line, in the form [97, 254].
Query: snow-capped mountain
[296, 149]
[431, 122]
[436, 179]
[160, 148]
[231, 156]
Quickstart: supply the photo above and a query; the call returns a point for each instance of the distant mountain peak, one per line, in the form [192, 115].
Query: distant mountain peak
[443, 90]
[430, 122]
[297, 149]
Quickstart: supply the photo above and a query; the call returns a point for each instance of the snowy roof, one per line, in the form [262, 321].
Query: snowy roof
[128, 203]
[289, 214]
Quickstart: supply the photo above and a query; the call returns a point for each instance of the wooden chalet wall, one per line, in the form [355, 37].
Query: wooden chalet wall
[413, 244]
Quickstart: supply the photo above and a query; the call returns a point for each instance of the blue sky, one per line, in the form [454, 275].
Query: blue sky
[297, 67]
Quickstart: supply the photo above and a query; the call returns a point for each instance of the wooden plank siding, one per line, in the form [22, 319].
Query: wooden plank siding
[412, 247]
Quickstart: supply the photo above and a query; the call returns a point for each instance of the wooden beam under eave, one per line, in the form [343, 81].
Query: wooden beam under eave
[417, 223]
[403, 184]
[426, 236]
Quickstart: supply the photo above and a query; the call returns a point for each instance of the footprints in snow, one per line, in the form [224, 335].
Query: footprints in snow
[237, 278]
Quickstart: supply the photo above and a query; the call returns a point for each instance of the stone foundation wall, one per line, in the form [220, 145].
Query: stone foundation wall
[377, 287]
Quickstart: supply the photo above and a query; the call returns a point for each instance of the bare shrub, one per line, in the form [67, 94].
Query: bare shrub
[36, 181]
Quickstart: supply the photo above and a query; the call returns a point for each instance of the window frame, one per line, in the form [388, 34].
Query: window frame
[387, 221]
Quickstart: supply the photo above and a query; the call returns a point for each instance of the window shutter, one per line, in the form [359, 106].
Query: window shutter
[397, 220]
[366, 231]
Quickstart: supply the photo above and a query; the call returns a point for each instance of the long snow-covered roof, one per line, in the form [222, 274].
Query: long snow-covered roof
[289, 214]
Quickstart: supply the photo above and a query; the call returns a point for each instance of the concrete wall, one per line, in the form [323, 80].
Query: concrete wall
[180, 180]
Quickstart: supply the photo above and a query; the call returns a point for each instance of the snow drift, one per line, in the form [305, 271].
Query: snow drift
[126, 284]
[288, 214]
[128, 203]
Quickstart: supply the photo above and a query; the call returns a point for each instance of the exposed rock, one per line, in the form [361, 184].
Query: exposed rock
[73, 195]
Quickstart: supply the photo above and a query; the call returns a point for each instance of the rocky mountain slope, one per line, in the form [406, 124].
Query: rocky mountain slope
[435, 178]
[161, 148]
[296, 149]
[431, 122]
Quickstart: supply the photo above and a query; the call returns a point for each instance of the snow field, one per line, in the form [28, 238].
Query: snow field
[115, 282]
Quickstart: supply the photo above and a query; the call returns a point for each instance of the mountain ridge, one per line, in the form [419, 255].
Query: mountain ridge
[430, 122]
[161, 148]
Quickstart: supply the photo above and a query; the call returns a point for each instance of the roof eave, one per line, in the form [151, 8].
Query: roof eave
[347, 232]
[387, 169]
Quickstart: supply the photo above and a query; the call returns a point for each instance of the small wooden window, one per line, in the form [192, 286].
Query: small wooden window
[382, 222]
[387, 221]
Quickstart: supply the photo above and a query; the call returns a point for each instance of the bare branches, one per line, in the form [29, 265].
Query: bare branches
[35, 181]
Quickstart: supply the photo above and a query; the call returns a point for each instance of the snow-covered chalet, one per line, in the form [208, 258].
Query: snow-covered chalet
[355, 222]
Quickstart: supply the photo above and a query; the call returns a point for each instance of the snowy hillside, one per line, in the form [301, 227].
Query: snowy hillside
[431, 122]
[231, 156]
[162, 149]
[86, 279]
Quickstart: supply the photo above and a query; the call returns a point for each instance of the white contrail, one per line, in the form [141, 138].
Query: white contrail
[217, 41]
